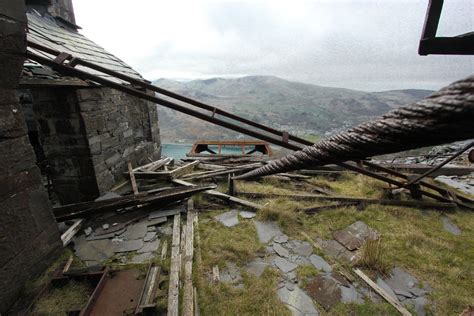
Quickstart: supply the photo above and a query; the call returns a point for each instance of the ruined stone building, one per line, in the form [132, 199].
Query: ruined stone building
[76, 133]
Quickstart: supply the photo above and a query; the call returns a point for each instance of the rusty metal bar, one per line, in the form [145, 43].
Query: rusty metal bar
[427, 173]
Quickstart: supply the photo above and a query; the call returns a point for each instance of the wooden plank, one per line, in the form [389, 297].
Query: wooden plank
[164, 250]
[222, 196]
[132, 179]
[406, 203]
[118, 186]
[196, 303]
[69, 234]
[176, 173]
[68, 264]
[216, 277]
[225, 172]
[173, 291]
[164, 175]
[382, 293]
[188, 304]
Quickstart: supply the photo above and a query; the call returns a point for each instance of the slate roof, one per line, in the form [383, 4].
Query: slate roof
[52, 33]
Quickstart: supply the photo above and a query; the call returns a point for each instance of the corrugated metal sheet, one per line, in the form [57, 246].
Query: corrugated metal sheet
[49, 32]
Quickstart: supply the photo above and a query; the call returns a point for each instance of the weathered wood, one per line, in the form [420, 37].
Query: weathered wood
[188, 304]
[315, 209]
[68, 264]
[132, 179]
[164, 250]
[382, 293]
[176, 173]
[162, 175]
[120, 185]
[216, 277]
[173, 291]
[71, 232]
[211, 167]
[409, 203]
[164, 197]
[222, 196]
[211, 174]
[196, 303]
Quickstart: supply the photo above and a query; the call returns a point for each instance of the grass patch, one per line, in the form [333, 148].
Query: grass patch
[373, 256]
[72, 296]
[238, 244]
[257, 298]
[366, 309]
[305, 273]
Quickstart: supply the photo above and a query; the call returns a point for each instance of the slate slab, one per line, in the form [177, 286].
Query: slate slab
[350, 295]
[387, 289]
[165, 213]
[325, 290]
[149, 236]
[403, 281]
[96, 250]
[266, 231]
[336, 250]
[303, 249]
[136, 231]
[247, 214]
[231, 274]
[319, 263]
[141, 258]
[256, 267]
[281, 239]
[106, 236]
[354, 235]
[284, 265]
[129, 245]
[228, 219]
[299, 303]
[150, 246]
[280, 250]
[157, 221]
[450, 227]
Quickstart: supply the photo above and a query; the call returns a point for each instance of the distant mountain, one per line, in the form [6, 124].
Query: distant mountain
[303, 109]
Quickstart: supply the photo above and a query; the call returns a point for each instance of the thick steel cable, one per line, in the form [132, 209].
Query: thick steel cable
[445, 116]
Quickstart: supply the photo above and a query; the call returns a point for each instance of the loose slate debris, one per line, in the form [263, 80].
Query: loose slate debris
[164, 213]
[319, 263]
[231, 275]
[141, 258]
[334, 249]
[267, 230]
[257, 267]
[297, 301]
[387, 289]
[303, 249]
[284, 265]
[149, 236]
[450, 227]
[136, 231]
[129, 245]
[325, 290]
[281, 251]
[151, 246]
[354, 236]
[281, 239]
[96, 250]
[247, 214]
[228, 219]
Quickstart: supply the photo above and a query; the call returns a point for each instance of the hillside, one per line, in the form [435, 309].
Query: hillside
[299, 108]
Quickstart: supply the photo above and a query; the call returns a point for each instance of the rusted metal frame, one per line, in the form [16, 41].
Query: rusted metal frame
[90, 303]
[427, 173]
[174, 106]
[436, 188]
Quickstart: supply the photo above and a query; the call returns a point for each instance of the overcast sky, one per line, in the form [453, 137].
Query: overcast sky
[367, 45]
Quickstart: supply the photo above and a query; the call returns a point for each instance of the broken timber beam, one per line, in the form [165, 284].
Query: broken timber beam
[188, 261]
[382, 293]
[176, 173]
[211, 174]
[173, 291]
[69, 234]
[164, 197]
[223, 196]
[410, 203]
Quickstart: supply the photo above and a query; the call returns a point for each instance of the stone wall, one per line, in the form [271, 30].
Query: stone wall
[63, 138]
[29, 237]
[120, 128]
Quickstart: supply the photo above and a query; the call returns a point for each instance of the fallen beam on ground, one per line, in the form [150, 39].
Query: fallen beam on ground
[188, 304]
[173, 291]
[382, 293]
[176, 173]
[69, 234]
[211, 174]
[222, 196]
[408, 203]
[315, 209]
[132, 179]
[164, 197]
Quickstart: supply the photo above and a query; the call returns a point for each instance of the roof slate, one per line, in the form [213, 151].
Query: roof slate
[50, 32]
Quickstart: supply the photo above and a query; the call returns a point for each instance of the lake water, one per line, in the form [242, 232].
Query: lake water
[179, 151]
